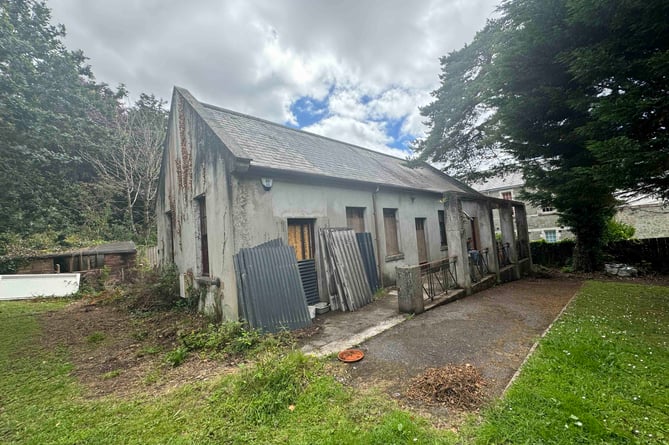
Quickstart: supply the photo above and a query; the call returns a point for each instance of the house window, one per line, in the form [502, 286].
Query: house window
[390, 227]
[550, 235]
[204, 239]
[355, 219]
[442, 227]
[170, 234]
[301, 238]
[507, 195]
[547, 209]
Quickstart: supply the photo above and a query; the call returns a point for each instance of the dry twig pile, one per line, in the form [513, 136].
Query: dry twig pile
[455, 386]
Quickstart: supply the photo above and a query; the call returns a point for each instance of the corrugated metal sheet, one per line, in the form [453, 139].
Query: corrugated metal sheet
[329, 272]
[368, 259]
[348, 268]
[309, 280]
[270, 290]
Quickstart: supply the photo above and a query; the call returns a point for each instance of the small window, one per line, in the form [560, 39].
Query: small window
[390, 227]
[170, 235]
[204, 239]
[547, 209]
[301, 238]
[507, 195]
[442, 227]
[355, 219]
[550, 235]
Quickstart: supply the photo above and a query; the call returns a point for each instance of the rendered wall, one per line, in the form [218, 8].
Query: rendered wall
[261, 215]
[195, 166]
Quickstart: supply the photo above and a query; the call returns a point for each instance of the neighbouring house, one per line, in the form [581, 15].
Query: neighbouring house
[542, 222]
[648, 216]
[116, 257]
[230, 181]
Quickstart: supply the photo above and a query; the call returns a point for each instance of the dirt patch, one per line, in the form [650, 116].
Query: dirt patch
[119, 352]
[457, 387]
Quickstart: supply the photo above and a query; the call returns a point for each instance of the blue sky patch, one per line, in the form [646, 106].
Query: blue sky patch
[309, 111]
[394, 131]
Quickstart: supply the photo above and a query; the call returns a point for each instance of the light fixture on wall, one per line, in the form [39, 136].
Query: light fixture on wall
[266, 183]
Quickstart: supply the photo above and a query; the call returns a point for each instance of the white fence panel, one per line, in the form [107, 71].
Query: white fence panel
[25, 286]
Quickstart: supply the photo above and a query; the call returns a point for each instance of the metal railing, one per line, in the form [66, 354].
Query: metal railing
[478, 264]
[503, 253]
[438, 276]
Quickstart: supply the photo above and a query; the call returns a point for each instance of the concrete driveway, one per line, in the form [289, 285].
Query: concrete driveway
[493, 330]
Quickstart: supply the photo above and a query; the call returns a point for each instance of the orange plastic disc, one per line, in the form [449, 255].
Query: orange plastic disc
[350, 355]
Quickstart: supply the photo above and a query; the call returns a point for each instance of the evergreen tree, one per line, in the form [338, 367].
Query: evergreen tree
[573, 93]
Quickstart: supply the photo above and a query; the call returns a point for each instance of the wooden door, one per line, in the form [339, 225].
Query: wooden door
[420, 240]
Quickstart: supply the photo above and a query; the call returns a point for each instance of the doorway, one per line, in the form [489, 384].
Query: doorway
[420, 241]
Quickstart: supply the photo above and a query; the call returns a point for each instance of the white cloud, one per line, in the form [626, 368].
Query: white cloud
[259, 56]
[366, 134]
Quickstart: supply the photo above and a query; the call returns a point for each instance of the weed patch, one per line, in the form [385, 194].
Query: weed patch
[95, 337]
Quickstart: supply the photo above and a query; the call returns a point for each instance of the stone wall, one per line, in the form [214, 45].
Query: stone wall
[649, 221]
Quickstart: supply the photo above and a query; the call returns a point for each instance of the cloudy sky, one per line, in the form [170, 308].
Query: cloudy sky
[354, 70]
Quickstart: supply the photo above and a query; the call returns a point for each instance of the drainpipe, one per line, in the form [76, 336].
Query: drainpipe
[376, 238]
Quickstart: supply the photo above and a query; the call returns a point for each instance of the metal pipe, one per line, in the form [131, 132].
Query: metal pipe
[376, 236]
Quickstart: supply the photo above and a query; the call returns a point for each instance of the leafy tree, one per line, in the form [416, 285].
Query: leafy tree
[130, 167]
[64, 137]
[50, 109]
[571, 92]
[617, 231]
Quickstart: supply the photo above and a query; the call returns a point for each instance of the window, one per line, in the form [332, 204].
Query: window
[355, 218]
[170, 235]
[507, 196]
[390, 227]
[204, 239]
[550, 235]
[301, 238]
[547, 209]
[442, 227]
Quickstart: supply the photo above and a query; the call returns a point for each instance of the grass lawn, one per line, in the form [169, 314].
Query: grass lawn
[601, 375]
[284, 398]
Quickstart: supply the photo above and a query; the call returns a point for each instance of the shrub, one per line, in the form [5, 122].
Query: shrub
[155, 289]
[228, 338]
[176, 356]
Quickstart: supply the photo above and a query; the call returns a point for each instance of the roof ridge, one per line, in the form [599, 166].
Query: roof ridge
[298, 130]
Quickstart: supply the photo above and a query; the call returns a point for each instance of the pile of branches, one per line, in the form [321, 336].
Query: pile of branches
[459, 387]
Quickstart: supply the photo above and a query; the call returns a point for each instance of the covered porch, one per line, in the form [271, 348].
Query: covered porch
[488, 244]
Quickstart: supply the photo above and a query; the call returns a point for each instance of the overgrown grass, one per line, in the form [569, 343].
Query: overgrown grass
[284, 397]
[600, 376]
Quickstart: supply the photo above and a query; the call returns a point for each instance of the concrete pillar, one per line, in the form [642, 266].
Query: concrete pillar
[493, 256]
[523, 233]
[457, 242]
[509, 236]
[410, 290]
[487, 234]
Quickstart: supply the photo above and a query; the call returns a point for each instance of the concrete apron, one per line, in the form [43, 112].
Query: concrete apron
[344, 330]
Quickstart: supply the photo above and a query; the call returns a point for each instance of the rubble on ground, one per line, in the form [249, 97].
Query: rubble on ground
[620, 270]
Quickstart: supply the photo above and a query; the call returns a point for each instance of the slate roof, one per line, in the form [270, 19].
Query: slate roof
[275, 146]
[509, 180]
